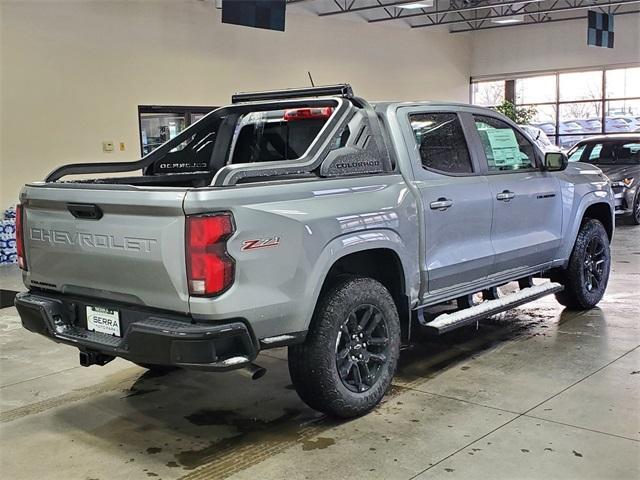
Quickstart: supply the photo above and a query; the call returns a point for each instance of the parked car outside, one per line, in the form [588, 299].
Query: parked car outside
[568, 134]
[632, 122]
[618, 156]
[616, 125]
[590, 126]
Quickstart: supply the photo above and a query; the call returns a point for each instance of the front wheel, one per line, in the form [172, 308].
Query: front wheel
[349, 357]
[634, 218]
[587, 275]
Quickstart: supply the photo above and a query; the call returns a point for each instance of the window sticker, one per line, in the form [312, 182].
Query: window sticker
[503, 151]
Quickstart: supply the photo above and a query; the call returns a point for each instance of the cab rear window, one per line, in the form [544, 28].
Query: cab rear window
[277, 135]
[255, 136]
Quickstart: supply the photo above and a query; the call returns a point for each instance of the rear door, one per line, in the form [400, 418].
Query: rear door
[527, 202]
[457, 203]
[117, 243]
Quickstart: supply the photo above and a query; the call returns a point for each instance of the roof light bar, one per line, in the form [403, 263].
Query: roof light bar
[341, 90]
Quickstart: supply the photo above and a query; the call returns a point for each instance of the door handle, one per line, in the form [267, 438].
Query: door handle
[505, 196]
[84, 211]
[441, 204]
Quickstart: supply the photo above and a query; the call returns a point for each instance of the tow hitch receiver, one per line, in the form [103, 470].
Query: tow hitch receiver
[88, 358]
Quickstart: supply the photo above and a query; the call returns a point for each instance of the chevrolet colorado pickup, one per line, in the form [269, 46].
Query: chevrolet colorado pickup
[311, 219]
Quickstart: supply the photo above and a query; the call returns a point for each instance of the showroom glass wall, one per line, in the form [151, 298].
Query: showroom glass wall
[570, 105]
[160, 123]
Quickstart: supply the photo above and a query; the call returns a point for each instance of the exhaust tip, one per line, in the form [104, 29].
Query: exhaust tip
[253, 371]
[258, 373]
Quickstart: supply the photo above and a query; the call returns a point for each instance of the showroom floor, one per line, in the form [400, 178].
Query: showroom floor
[535, 393]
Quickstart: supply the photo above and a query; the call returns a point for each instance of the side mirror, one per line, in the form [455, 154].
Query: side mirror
[555, 161]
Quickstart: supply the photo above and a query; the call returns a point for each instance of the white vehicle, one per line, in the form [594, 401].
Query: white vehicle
[540, 138]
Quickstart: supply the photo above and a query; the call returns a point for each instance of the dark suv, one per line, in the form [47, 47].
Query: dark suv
[618, 156]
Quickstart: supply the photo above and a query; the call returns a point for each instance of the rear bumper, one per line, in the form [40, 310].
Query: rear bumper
[147, 337]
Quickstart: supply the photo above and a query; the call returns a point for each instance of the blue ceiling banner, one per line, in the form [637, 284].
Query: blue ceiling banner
[268, 14]
[600, 29]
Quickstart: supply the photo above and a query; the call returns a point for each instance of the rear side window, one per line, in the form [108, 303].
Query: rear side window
[506, 148]
[277, 134]
[441, 142]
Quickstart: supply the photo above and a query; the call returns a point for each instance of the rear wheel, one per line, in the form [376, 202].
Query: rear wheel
[585, 279]
[349, 357]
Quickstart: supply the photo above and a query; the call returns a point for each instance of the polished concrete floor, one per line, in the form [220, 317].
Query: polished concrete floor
[536, 393]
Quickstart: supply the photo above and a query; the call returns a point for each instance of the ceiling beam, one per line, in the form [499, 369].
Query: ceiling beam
[483, 5]
[566, 7]
[363, 8]
[549, 20]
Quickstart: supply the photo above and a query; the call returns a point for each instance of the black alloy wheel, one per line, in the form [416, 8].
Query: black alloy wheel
[362, 348]
[594, 261]
[586, 276]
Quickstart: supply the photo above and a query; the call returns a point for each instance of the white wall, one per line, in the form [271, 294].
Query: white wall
[74, 72]
[551, 46]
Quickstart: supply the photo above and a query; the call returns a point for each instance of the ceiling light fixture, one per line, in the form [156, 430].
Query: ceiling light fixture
[416, 5]
[507, 20]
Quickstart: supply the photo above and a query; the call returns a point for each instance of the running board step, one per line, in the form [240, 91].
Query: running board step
[450, 321]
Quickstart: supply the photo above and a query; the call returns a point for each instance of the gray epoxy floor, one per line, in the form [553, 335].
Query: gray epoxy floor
[536, 393]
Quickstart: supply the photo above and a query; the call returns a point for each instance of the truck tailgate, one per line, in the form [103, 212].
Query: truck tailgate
[133, 253]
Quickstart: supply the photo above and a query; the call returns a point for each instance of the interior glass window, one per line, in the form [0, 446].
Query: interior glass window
[506, 149]
[623, 82]
[487, 94]
[441, 142]
[540, 89]
[580, 85]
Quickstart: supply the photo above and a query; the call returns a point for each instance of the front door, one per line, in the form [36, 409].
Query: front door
[527, 202]
[457, 203]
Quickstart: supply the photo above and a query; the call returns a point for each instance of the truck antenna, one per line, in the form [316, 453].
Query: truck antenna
[311, 79]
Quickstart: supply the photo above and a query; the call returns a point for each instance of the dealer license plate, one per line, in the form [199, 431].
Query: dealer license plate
[103, 320]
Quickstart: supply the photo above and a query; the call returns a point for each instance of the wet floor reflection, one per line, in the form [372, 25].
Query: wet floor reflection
[186, 419]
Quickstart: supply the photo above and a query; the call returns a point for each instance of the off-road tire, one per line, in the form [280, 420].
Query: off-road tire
[313, 365]
[634, 218]
[576, 295]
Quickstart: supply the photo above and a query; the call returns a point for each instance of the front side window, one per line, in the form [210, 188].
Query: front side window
[441, 142]
[506, 149]
[576, 153]
[618, 152]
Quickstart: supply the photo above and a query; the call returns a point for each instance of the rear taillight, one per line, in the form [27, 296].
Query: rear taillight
[210, 269]
[22, 259]
[307, 113]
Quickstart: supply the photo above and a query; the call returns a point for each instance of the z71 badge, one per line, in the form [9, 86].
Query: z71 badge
[260, 243]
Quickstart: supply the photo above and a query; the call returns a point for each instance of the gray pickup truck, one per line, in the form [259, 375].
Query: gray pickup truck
[311, 219]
